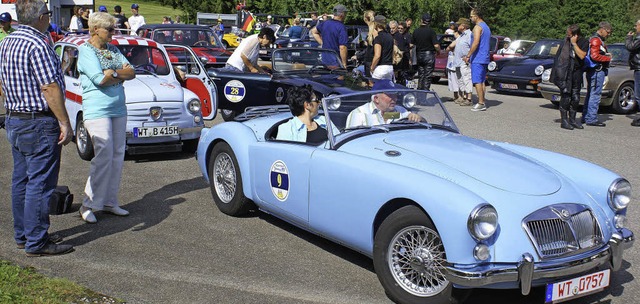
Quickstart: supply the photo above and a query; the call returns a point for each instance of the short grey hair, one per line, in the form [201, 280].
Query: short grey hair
[28, 11]
[101, 20]
[393, 23]
[605, 25]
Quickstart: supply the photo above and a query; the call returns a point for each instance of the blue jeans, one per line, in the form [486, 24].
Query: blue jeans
[595, 80]
[36, 163]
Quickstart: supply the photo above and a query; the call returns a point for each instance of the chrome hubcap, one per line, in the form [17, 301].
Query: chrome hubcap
[626, 98]
[416, 260]
[81, 137]
[224, 177]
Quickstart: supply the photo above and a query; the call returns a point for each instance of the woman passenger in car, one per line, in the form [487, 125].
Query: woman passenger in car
[306, 125]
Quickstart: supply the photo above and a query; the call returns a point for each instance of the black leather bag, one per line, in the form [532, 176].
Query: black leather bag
[60, 201]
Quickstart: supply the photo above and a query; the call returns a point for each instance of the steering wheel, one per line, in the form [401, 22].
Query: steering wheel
[201, 43]
[147, 67]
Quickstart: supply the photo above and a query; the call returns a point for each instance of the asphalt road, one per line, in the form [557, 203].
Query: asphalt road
[176, 247]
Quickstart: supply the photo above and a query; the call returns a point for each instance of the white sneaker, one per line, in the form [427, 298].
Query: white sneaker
[87, 215]
[479, 107]
[115, 210]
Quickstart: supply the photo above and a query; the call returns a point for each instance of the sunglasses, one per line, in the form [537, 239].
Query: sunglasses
[110, 29]
[47, 14]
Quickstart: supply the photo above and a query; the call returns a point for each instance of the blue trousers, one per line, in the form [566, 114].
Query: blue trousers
[36, 164]
[595, 81]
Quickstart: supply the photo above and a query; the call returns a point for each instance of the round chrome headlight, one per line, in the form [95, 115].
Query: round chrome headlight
[482, 222]
[619, 194]
[333, 103]
[546, 75]
[409, 100]
[289, 44]
[492, 66]
[539, 70]
[193, 106]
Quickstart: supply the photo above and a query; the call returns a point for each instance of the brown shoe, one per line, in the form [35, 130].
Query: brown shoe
[466, 102]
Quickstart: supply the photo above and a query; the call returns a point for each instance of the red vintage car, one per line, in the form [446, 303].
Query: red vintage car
[440, 71]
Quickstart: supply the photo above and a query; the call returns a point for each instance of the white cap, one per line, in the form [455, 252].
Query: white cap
[506, 39]
[269, 17]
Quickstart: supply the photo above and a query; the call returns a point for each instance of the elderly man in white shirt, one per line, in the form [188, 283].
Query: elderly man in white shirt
[381, 110]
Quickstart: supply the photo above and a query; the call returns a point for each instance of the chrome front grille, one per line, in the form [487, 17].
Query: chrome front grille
[170, 112]
[563, 229]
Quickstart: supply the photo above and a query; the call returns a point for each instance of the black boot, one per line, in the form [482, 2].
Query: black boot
[564, 120]
[573, 121]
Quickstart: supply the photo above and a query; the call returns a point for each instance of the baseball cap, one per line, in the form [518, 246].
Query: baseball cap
[339, 9]
[5, 17]
[451, 22]
[269, 17]
[135, 6]
[507, 39]
[426, 17]
[383, 84]
[464, 21]
[102, 8]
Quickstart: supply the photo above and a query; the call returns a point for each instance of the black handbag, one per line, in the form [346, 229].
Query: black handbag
[60, 201]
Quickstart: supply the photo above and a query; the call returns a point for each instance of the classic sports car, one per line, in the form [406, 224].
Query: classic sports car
[398, 193]
[204, 42]
[523, 74]
[289, 67]
[163, 115]
[618, 89]
[355, 34]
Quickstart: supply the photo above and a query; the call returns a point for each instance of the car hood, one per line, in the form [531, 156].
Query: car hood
[523, 65]
[461, 159]
[212, 54]
[145, 88]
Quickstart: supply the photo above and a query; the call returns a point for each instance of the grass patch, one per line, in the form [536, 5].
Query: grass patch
[152, 11]
[25, 285]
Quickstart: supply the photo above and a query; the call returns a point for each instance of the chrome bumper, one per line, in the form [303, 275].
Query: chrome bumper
[526, 271]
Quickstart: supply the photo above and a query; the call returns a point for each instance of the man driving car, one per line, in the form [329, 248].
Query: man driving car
[381, 110]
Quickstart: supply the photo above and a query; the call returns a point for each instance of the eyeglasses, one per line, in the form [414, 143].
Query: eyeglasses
[110, 29]
[47, 14]
[401, 28]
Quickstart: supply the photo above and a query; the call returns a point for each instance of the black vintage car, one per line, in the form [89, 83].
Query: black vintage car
[200, 38]
[523, 74]
[355, 34]
[282, 41]
[288, 67]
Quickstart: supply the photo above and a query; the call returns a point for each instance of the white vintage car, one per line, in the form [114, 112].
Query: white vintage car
[163, 113]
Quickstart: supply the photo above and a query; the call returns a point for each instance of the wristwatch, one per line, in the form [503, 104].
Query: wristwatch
[115, 74]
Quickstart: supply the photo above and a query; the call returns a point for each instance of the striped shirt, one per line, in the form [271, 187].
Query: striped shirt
[28, 62]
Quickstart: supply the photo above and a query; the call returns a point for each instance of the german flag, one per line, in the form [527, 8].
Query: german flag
[248, 23]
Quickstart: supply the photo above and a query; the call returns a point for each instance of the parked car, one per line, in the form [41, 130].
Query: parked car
[618, 89]
[516, 49]
[399, 194]
[163, 115]
[201, 38]
[288, 67]
[523, 74]
[282, 41]
[440, 70]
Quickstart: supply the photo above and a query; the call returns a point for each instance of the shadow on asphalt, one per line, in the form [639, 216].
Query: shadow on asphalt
[340, 251]
[161, 201]
[141, 158]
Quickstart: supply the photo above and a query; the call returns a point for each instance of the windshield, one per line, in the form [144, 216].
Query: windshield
[285, 60]
[194, 37]
[358, 113]
[146, 59]
[544, 48]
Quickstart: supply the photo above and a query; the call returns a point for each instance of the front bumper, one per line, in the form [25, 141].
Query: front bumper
[548, 91]
[516, 84]
[526, 271]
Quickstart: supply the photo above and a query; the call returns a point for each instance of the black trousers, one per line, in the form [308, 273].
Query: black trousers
[426, 63]
[570, 93]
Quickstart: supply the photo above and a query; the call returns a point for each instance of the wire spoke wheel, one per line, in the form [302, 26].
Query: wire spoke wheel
[225, 180]
[416, 261]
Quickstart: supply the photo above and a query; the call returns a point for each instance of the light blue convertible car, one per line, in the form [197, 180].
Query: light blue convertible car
[402, 193]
